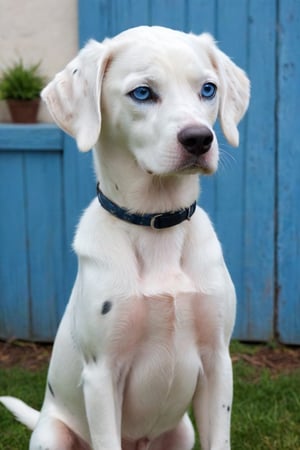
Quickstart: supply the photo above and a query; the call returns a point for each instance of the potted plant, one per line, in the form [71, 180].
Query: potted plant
[21, 88]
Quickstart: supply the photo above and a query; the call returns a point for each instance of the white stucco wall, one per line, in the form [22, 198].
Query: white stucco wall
[37, 30]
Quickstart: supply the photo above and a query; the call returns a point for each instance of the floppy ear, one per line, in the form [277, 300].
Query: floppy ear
[234, 90]
[73, 96]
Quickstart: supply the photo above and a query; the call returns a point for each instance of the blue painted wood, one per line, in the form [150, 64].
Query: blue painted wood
[288, 244]
[31, 233]
[107, 18]
[93, 20]
[14, 285]
[129, 13]
[72, 211]
[246, 32]
[230, 197]
[201, 16]
[29, 137]
[45, 185]
[37, 265]
[45, 240]
[228, 210]
[80, 188]
[244, 211]
[259, 208]
[169, 13]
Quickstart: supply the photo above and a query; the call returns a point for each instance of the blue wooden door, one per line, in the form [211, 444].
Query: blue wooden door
[253, 200]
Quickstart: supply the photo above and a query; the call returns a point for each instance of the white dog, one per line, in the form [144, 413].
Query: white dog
[148, 324]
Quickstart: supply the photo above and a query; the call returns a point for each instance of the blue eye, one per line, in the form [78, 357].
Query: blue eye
[208, 91]
[142, 94]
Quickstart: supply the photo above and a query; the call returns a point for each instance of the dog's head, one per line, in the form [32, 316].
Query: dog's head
[152, 92]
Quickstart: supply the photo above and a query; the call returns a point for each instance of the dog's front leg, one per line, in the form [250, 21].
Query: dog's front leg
[103, 407]
[212, 402]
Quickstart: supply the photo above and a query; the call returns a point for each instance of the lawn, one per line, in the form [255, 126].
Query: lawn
[266, 410]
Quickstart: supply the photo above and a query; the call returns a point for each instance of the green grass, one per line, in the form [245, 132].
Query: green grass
[28, 386]
[266, 410]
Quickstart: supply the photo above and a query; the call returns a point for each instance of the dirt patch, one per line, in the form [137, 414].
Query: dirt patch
[278, 360]
[32, 356]
[27, 355]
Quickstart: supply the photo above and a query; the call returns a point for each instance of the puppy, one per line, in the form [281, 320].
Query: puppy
[147, 328]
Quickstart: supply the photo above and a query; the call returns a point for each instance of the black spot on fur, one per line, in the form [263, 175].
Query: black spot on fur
[106, 307]
[227, 407]
[50, 389]
[75, 71]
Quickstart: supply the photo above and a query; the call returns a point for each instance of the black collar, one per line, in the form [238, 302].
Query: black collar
[155, 221]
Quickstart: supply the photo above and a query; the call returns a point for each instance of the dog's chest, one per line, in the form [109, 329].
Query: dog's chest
[156, 347]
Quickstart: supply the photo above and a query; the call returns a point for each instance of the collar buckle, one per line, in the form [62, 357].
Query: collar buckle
[190, 212]
[153, 221]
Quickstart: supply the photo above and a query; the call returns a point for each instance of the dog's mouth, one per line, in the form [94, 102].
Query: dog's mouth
[185, 165]
[202, 165]
[191, 168]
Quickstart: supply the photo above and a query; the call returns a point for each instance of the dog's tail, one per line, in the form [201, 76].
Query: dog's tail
[23, 413]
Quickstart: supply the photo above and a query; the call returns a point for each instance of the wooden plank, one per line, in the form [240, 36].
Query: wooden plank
[288, 244]
[71, 209]
[43, 178]
[128, 13]
[245, 196]
[30, 137]
[232, 35]
[93, 20]
[169, 13]
[14, 287]
[27, 193]
[80, 188]
[109, 17]
[259, 262]
[201, 16]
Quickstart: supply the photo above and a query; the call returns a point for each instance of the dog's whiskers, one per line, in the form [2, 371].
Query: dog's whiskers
[226, 160]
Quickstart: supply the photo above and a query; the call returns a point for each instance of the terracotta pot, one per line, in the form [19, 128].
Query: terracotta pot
[24, 111]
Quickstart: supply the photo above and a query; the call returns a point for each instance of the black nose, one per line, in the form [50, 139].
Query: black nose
[196, 139]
